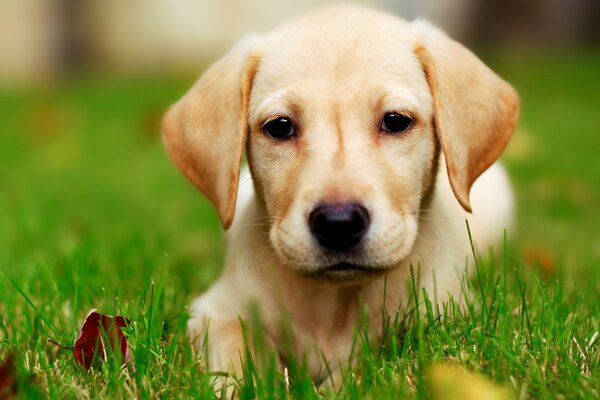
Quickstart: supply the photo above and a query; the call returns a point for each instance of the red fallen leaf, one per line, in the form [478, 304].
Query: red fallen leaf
[98, 334]
[8, 378]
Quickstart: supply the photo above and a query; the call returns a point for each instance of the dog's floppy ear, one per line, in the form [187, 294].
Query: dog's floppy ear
[475, 110]
[205, 131]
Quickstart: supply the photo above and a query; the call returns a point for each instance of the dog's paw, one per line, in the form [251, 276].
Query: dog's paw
[226, 387]
[219, 342]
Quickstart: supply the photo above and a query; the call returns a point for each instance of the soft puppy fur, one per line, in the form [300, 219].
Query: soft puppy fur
[369, 141]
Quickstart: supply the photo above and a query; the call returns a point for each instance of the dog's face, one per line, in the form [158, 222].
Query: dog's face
[342, 148]
[343, 112]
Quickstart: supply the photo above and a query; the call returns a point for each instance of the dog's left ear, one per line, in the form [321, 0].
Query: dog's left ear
[205, 131]
[475, 110]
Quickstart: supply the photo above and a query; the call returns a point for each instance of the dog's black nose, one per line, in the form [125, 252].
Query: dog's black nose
[339, 226]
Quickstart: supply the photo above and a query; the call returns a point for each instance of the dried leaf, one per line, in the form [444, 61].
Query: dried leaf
[450, 381]
[101, 337]
[541, 257]
[8, 378]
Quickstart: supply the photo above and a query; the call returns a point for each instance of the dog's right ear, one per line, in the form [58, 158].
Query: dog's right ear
[205, 131]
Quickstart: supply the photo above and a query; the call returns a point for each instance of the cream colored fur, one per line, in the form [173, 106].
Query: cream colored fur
[335, 73]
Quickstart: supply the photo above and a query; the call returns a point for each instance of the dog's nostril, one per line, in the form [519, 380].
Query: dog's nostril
[339, 226]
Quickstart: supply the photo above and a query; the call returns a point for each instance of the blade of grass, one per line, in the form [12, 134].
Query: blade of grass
[28, 300]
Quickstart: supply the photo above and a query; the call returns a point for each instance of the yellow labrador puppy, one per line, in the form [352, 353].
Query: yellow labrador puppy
[369, 141]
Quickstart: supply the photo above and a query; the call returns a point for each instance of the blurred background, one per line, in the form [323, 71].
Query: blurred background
[45, 39]
[83, 85]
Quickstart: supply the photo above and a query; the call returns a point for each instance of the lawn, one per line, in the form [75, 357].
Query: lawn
[93, 215]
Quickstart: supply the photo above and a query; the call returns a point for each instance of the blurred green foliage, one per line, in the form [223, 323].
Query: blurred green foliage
[82, 166]
[553, 159]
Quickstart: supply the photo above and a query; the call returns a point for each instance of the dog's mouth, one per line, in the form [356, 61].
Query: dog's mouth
[345, 272]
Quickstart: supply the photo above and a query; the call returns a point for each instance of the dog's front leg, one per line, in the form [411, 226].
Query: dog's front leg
[221, 345]
[223, 335]
[217, 334]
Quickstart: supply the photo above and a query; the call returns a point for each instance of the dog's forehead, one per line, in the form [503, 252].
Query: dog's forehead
[341, 50]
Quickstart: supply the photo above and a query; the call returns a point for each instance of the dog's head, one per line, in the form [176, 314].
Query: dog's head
[343, 113]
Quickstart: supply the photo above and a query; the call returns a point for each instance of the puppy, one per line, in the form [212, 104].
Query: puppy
[369, 141]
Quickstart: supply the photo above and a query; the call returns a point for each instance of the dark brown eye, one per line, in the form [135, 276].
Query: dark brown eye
[395, 123]
[280, 128]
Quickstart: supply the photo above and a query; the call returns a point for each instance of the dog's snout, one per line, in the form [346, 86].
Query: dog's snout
[339, 226]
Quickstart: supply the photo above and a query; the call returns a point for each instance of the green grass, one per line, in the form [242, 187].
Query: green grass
[93, 215]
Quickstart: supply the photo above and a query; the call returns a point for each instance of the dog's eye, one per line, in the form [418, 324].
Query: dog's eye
[394, 122]
[279, 128]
